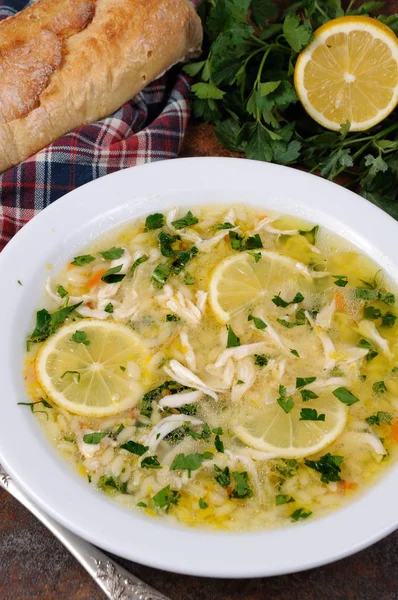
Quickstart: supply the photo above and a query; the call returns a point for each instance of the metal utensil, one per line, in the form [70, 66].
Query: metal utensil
[114, 580]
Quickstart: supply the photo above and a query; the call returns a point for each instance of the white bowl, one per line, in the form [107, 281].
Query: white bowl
[56, 235]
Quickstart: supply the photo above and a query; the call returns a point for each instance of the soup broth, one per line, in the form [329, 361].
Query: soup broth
[221, 368]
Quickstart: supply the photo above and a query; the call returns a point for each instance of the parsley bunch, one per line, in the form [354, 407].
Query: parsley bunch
[245, 87]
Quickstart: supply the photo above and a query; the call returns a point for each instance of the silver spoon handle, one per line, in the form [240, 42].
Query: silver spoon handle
[114, 580]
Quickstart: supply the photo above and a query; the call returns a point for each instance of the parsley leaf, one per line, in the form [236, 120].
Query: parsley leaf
[300, 514]
[242, 489]
[80, 337]
[112, 253]
[328, 466]
[157, 393]
[379, 387]
[138, 262]
[172, 318]
[278, 301]
[223, 477]
[370, 312]
[283, 499]
[186, 221]
[294, 352]
[151, 462]
[256, 256]
[232, 339]
[47, 323]
[84, 259]
[94, 438]
[388, 320]
[218, 444]
[379, 417]
[160, 275]
[302, 381]
[285, 403]
[259, 323]
[134, 448]
[109, 308]
[310, 414]
[223, 226]
[297, 35]
[308, 395]
[260, 360]
[155, 221]
[341, 280]
[112, 275]
[61, 291]
[345, 396]
[165, 497]
[202, 504]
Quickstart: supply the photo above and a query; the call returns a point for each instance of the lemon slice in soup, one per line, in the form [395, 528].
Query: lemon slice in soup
[84, 368]
[271, 429]
[240, 280]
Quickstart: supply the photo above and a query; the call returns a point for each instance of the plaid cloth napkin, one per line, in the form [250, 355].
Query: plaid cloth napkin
[148, 128]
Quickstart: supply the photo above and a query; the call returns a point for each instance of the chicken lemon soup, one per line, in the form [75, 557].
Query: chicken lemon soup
[224, 368]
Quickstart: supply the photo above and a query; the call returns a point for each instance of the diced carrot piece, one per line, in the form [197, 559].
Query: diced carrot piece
[340, 302]
[96, 278]
[349, 486]
[394, 431]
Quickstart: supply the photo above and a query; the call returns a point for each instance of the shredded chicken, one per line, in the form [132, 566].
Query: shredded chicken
[166, 426]
[207, 245]
[325, 316]
[328, 346]
[368, 330]
[368, 439]
[180, 305]
[246, 373]
[186, 233]
[177, 400]
[241, 352]
[187, 350]
[265, 224]
[184, 376]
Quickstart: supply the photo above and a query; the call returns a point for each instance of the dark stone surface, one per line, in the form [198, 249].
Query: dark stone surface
[35, 566]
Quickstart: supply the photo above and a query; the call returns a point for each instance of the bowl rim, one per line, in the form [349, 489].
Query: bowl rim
[188, 551]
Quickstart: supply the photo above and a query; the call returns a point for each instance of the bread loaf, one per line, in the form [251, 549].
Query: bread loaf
[66, 63]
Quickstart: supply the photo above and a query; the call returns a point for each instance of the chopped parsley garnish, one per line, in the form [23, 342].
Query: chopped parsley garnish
[380, 417]
[134, 448]
[202, 503]
[94, 438]
[278, 301]
[47, 323]
[328, 466]
[285, 403]
[19, 282]
[223, 477]
[388, 320]
[256, 256]
[142, 505]
[379, 387]
[165, 497]
[283, 499]
[259, 323]
[113, 483]
[242, 489]
[341, 280]
[294, 352]
[160, 275]
[374, 294]
[311, 234]
[240, 243]
[165, 243]
[310, 414]
[80, 337]
[223, 226]
[218, 444]
[157, 393]
[113, 276]
[239, 382]
[308, 395]
[300, 320]
[61, 291]
[345, 396]
[186, 221]
[138, 262]
[287, 467]
[302, 381]
[75, 374]
[84, 259]
[260, 360]
[370, 312]
[372, 351]
[172, 318]
[232, 339]
[189, 462]
[300, 514]
[205, 434]
[112, 253]
[218, 430]
[189, 409]
[151, 462]
[33, 404]
[189, 279]
[155, 221]
[109, 308]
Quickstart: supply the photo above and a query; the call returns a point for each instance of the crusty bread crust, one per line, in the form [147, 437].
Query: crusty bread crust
[67, 63]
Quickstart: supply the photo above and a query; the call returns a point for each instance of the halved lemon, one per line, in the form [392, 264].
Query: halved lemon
[90, 377]
[349, 72]
[270, 429]
[240, 280]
